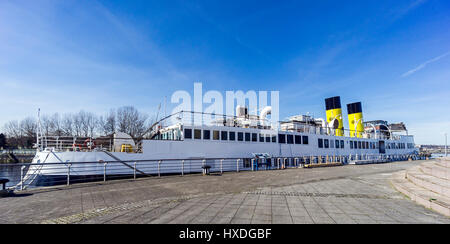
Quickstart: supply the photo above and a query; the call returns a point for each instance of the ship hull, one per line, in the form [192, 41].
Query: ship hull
[161, 157]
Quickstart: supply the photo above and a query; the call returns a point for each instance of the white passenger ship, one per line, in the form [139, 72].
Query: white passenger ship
[186, 146]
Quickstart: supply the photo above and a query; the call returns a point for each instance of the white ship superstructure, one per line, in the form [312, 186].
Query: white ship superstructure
[197, 139]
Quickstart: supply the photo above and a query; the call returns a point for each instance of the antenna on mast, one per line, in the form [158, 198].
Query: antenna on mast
[38, 128]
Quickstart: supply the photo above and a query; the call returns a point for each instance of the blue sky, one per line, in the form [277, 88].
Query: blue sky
[394, 56]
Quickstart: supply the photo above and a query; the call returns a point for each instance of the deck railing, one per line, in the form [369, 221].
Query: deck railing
[32, 175]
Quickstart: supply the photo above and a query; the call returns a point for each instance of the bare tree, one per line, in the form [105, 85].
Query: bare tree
[77, 124]
[82, 124]
[131, 121]
[46, 125]
[107, 123]
[91, 124]
[28, 127]
[67, 125]
[56, 125]
[12, 129]
[85, 123]
[14, 134]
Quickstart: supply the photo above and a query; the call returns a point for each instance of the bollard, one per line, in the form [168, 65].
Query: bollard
[134, 171]
[21, 177]
[104, 171]
[237, 165]
[182, 167]
[68, 174]
[253, 164]
[221, 166]
[159, 168]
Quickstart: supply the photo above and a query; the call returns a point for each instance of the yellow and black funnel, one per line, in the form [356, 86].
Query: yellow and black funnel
[334, 115]
[355, 119]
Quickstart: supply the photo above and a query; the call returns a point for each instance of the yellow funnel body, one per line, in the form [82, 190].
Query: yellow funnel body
[334, 115]
[356, 125]
[355, 119]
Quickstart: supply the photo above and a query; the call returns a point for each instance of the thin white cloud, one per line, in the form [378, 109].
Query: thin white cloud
[423, 65]
[409, 8]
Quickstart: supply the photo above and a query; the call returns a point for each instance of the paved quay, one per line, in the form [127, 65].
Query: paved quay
[346, 194]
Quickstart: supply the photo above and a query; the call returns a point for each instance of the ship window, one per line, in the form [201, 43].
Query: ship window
[232, 136]
[359, 145]
[326, 143]
[367, 145]
[320, 143]
[254, 137]
[215, 135]
[247, 136]
[298, 139]
[268, 138]
[240, 136]
[198, 134]
[281, 138]
[290, 139]
[261, 137]
[332, 144]
[351, 144]
[337, 144]
[305, 140]
[342, 144]
[206, 135]
[224, 135]
[188, 133]
[274, 138]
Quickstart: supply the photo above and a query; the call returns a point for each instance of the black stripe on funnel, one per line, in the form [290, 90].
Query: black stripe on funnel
[354, 108]
[333, 103]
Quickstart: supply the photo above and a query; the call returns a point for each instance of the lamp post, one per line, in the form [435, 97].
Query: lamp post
[445, 144]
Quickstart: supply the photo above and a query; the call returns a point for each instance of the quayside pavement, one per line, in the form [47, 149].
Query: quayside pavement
[346, 194]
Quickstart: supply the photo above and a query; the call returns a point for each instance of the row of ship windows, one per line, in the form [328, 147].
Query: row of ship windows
[399, 145]
[325, 143]
[284, 138]
[241, 136]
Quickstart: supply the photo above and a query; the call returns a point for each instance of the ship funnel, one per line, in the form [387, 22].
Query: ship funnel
[355, 119]
[334, 115]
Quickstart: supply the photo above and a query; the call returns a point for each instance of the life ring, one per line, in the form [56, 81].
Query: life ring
[89, 143]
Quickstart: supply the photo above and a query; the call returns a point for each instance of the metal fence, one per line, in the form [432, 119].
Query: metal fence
[23, 176]
[19, 151]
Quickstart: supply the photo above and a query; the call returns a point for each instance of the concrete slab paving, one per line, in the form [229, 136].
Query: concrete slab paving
[343, 195]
